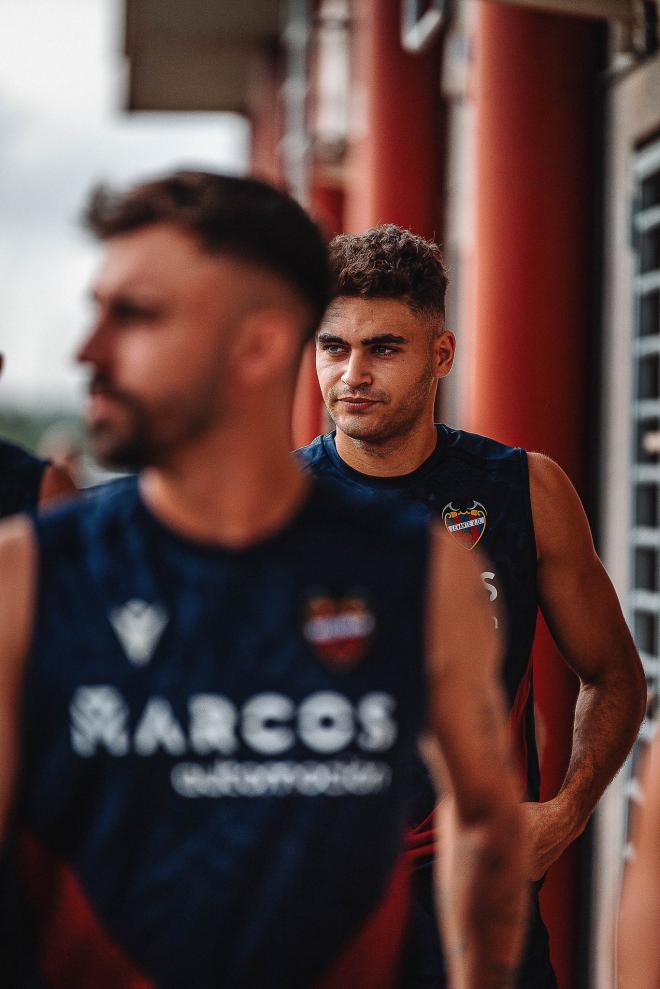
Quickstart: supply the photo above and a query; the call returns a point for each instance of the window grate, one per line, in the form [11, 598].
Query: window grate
[644, 599]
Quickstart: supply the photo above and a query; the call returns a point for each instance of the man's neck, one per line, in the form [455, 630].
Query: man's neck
[231, 490]
[393, 457]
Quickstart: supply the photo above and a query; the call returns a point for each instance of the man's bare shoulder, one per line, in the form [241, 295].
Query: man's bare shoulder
[547, 480]
[560, 522]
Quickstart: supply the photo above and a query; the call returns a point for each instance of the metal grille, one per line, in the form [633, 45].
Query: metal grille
[644, 604]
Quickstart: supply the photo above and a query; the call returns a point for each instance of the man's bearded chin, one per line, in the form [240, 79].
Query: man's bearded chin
[393, 426]
[126, 440]
[148, 439]
[130, 448]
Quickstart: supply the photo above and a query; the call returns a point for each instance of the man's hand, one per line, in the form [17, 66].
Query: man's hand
[549, 829]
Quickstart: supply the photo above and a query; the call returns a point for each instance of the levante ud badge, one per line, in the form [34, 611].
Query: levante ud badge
[339, 629]
[465, 524]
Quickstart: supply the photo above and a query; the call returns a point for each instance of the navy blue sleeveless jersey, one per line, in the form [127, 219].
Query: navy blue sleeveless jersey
[21, 475]
[216, 749]
[479, 489]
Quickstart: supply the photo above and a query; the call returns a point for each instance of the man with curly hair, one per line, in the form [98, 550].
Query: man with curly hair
[380, 352]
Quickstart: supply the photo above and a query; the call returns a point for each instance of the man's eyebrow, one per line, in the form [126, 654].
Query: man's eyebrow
[382, 338]
[125, 297]
[324, 337]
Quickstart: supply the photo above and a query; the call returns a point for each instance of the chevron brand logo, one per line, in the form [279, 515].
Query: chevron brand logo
[138, 625]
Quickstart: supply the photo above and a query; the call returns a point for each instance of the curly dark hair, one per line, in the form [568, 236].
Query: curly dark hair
[243, 218]
[389, 262]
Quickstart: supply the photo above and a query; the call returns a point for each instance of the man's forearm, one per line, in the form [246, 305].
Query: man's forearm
[607, 719]
[606, 722]
[483, 899]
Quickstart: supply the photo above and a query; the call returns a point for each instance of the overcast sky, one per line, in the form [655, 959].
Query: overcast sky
[61, 130]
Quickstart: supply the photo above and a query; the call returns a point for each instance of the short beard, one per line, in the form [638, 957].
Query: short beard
[127, 449]
[396, 427]
[139, 443]
[129, 453]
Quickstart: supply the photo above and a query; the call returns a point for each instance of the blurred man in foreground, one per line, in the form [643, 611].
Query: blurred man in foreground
[380, 353]
[223, 668]
[26, 481]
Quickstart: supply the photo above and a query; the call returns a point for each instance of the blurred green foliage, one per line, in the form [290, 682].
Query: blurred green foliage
[27, 428]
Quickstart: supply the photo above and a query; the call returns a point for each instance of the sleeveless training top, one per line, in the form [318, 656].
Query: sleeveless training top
[20, 479]
[215, 768]
[479, 488]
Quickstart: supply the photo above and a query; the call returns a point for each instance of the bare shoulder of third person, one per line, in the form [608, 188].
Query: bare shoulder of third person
[56, 485]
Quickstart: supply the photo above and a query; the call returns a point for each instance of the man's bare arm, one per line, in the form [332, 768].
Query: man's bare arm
[583, 613]
[482, 863]
[17, 579]
[639, 923]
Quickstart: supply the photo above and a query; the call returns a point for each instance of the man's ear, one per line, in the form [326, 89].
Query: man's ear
[267, 346]
[444, 351]
[2, 362]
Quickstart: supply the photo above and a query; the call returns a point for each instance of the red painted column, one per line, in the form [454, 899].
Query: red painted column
[392, 170]
[393, 162]
[326, 206]
[529, 340]
[267, 119]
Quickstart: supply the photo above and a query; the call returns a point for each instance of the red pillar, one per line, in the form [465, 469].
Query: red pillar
[267, 118]
[392, 173]
[326, 206]
[529, 342]
[392, 167]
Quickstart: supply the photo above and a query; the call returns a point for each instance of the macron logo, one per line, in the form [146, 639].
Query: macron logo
[138, 626]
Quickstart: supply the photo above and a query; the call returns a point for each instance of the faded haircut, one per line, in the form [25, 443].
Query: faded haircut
[242, 218]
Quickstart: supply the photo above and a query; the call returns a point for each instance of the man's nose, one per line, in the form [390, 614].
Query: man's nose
[93, 349]
[356, 372]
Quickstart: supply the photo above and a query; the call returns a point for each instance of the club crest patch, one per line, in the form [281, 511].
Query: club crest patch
[465, 524]
[339, 629]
